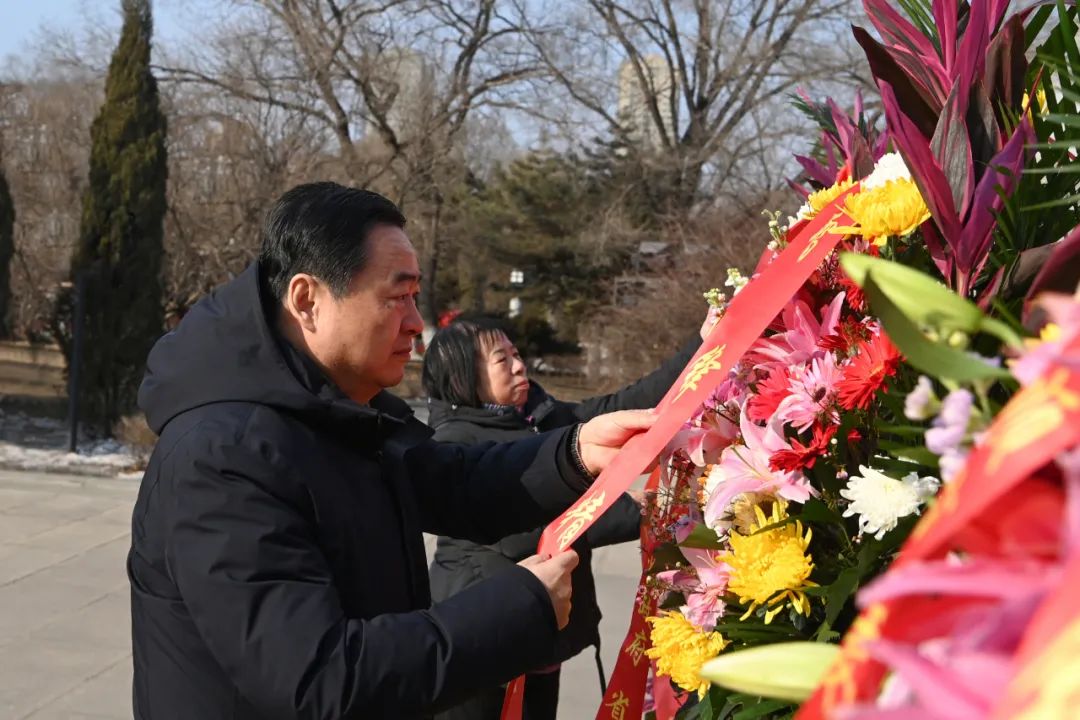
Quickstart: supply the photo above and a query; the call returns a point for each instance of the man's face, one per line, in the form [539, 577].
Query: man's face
[365, 337]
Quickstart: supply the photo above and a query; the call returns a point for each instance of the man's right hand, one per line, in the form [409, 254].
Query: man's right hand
[554, 573]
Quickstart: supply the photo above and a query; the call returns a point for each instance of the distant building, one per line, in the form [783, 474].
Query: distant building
[407, 86]
[635, 97]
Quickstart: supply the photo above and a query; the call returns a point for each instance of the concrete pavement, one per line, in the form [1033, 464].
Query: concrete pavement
[65, 650]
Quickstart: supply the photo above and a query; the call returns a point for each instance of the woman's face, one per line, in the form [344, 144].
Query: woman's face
[502, 372]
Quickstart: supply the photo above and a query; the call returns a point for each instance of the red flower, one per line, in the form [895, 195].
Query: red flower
[802, 456]
[853, 294]
[768, 394]
[848, 333]
[874, 362]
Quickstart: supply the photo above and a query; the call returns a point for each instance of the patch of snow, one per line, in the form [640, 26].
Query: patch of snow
[106, 461]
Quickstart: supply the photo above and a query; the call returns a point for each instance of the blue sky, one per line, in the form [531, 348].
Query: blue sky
[20, 20]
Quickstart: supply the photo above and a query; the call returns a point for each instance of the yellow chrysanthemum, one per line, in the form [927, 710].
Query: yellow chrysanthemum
[771, 568]
[820, 199]
[680, 649]
[894, 209]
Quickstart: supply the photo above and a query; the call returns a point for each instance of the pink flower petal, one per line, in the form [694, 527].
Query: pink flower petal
[975, 577]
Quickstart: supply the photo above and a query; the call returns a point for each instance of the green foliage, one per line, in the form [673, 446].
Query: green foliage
[120, 244]
[925, 319]
[536, 215]
[7, 250]
[1046, 203]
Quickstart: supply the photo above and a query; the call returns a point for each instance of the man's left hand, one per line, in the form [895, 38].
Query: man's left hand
[601, 438]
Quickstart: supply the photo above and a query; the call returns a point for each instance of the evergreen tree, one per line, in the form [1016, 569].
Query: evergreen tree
[7, 250]
[120, 247]
[538, 215]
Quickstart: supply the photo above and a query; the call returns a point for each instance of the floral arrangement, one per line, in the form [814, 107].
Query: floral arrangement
[799, 480]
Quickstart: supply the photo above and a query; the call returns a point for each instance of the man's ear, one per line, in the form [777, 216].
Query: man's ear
[302, 300]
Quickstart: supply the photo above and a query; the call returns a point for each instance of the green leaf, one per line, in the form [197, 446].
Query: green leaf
[842, 588]
[814, 510]
[903, 430]
[702, 536]
[666, 557]
[1036, 23]
[825, 633]
[760, 709]
[929, 357]
[916, 454]
[1061, 202]
[708, 707]
[917, 295]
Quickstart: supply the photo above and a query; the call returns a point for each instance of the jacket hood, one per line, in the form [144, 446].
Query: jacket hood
[225, 350]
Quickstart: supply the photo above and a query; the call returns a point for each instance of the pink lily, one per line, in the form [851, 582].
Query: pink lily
[704, 586]
[798, 342]
[744, 467]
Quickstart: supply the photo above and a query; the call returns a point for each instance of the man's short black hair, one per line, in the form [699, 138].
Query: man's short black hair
[451, 370]
[321, 229]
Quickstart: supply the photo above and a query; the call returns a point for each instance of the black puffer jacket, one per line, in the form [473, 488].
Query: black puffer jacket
[277, 563]
[459, 564]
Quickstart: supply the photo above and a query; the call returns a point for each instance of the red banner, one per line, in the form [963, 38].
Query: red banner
[1047, 686]
[625, 695]
[1040, 421]
[746, 318]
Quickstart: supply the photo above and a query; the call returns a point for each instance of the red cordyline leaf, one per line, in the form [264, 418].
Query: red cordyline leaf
[815, 170]
[971, 57]
[917, 99]
[923, 165]
[999, 180]
[1061, 271]
[945, 17]
[910, 48]
[848, 148]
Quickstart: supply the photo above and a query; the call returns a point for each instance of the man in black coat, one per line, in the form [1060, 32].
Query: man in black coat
[277, 564]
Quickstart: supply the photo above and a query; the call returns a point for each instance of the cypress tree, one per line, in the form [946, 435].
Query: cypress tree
[7, 250]
[120, 248]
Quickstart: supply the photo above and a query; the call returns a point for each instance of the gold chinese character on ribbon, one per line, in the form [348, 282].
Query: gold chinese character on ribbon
[1036, 412]
[839, 684]
[704, 365]
[636, 648]
[830, 226]
[618, 706]
[1049, 681]
[577, 518]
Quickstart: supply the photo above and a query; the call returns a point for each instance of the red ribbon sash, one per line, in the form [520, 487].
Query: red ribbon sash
[746, 318]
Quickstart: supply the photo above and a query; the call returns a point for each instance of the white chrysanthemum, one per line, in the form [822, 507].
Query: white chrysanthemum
[890, 167]
[804, 212]
[880, 501]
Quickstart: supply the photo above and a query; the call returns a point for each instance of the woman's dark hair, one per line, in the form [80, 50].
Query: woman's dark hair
[321, 229]
[452, 361]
